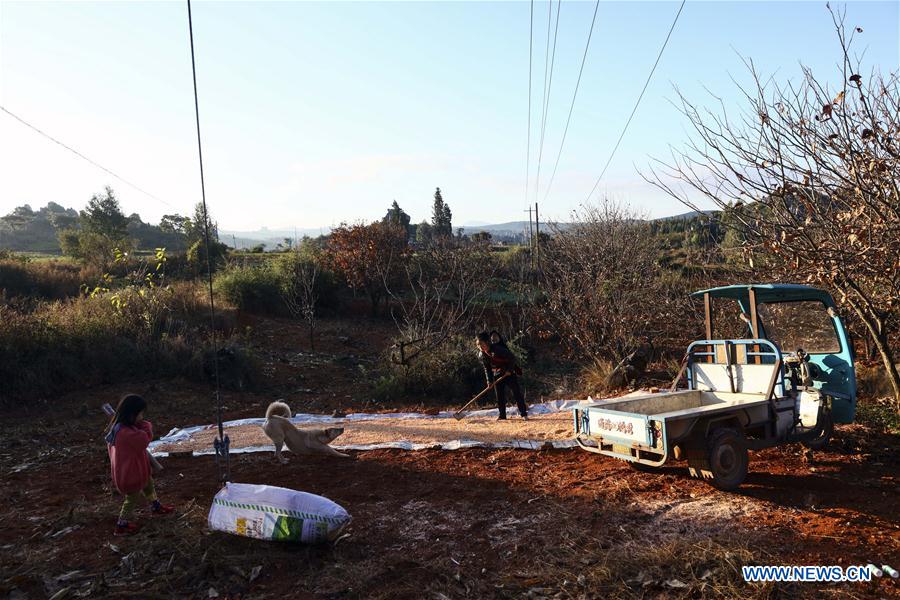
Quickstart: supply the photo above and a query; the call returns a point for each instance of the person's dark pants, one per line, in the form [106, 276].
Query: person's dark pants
[511, 383]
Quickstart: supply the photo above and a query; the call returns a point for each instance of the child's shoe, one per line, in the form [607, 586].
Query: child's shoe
[161, 509]
[125, 528]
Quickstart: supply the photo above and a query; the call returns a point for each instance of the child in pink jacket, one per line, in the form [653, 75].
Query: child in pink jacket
[127, 440]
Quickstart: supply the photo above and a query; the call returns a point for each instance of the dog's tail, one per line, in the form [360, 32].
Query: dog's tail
[279, 408]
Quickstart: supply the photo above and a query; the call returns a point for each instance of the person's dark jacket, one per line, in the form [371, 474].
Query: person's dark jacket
[499, 360]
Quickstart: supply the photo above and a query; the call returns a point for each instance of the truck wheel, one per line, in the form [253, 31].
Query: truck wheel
[727, 458]
[723, 461]
[821, 441]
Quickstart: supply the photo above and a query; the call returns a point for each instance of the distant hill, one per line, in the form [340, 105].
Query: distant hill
[27, 230]
[510, 231]
[270, 237]
[688, 215]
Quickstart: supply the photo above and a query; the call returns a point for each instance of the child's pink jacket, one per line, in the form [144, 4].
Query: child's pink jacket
[128, 456]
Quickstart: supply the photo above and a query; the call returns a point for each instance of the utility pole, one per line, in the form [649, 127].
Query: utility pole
[233, 241]
[529, 228]
[530, 240]
[537, 236]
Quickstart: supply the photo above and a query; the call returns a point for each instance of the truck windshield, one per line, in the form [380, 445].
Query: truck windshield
[730, 321]
[794, 325]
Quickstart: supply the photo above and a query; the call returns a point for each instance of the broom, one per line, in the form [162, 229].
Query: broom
[458, 414]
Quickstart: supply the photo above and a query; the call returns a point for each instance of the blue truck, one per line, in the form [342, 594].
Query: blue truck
[778, 371]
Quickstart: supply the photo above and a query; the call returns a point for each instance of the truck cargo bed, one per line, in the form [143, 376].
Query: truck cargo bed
[683, 403]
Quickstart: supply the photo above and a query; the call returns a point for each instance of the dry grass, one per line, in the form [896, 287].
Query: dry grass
[872, 381]
[593, 378]
[687, 549]
[46, 279]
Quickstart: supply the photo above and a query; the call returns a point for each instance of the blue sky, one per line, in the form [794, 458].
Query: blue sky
[315, 113]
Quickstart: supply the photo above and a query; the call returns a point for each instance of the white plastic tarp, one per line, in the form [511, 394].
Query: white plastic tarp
[544, 408]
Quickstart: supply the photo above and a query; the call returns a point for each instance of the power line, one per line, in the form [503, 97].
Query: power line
[222, 442]
[548, 86]
[546, 62]
[528, 143]
[636, 104]
[83, 157]
[572, 105]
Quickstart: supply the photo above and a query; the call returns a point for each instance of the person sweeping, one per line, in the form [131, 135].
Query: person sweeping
[127, 440]
[498, 360]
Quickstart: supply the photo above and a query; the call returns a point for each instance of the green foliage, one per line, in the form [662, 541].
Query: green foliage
[35, 231]
[54, 228]
[101, 229]
[94, 339]
[103, 216]
[441, 217]
[423, 233]
[196, 255]
[879, 414]
[451, 372]
[252, 289]
[398, 217]
[290, 265]
[194, 228]
[388, 388]
[93, 248]
[151, 236]
[175, 224]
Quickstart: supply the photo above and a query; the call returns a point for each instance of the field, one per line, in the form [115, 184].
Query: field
[426, 524]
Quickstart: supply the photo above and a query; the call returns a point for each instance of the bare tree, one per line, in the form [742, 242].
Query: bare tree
[522, 311]
[443, 292]
[810, 176]
[299, 290]
[601, 281]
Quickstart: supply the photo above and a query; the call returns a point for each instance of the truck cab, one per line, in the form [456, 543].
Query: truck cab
[775, 367]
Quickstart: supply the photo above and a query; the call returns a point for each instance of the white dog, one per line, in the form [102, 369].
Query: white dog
[299, 441]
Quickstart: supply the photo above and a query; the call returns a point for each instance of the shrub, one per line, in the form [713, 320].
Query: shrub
[326, 281]
[47, 279]
[594, 377]
[872, 381]
[252, 289]
[106, 337]
[451, 371]
[878, 414]
[196, 255]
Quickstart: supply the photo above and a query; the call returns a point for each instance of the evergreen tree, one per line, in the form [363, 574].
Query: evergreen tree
[195, 229]
[441, 217]
[397, 216]
[103, 216]
[447, 221]
[424, 233]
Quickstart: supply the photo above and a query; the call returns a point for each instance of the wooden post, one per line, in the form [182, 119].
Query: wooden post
[707, 307]
[537, 236]
[754, 324]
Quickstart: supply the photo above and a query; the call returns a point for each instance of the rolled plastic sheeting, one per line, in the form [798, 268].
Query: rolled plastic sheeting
[276, 514]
